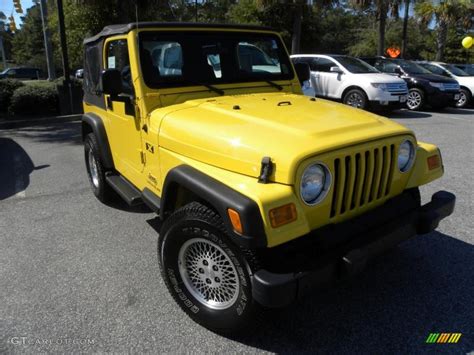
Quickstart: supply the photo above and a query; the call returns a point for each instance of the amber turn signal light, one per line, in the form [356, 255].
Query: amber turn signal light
[282, 215]
[235, 220]
[433, 162]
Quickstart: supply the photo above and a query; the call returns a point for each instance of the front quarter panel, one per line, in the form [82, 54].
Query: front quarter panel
[421, 174]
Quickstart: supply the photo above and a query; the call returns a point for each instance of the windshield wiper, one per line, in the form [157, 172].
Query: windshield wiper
[275, 85]
[210, 87]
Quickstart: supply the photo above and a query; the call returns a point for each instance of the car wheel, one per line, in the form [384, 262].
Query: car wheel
[355, 98]
[416, 99]
[464, 98]
[207, 275]
[96, 170]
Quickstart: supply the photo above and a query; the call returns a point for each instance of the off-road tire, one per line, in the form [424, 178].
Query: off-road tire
[196, 223]
[100, 188]
[356, 98]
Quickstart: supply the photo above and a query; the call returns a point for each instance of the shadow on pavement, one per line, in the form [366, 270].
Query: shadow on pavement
[406, 114]
[15, 168]
[423, 286]
[64, 132]
[460, 111]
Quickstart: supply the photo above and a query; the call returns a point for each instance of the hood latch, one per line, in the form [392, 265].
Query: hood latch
[266, 170]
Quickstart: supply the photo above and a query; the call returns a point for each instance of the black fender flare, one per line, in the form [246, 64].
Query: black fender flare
[93, 122]
[220, 197]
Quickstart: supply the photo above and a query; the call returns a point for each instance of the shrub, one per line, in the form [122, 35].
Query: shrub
[7, 87]
[40, 98]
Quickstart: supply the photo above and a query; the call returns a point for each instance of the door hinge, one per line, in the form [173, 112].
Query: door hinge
[142, 157]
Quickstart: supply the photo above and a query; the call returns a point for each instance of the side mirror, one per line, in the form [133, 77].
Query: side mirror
[335, 69]
[303, 72]
[111, 80]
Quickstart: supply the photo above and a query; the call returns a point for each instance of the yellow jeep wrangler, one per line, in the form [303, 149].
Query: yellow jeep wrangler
[263, 192]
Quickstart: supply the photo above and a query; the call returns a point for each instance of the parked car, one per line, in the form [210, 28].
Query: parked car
[21, 73]
[465, 80]
[424, 87]
[79, 74]
[353, 82]
[468, 68]
[262, 192]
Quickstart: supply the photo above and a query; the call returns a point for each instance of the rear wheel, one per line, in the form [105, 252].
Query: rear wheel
[416, 99]
[464, 98]
[355, 98]
[96, 170]
[207, 275]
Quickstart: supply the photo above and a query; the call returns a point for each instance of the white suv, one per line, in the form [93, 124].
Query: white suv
[465, 80]
[354, 82]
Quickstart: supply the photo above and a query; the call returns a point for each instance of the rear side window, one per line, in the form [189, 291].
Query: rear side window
[434, 69]
[324, 65]
[117, 58]
[308, 60]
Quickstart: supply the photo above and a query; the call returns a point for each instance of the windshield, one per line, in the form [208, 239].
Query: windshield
[454, 70]
[199, 57]
[355, 65]
[411, 67]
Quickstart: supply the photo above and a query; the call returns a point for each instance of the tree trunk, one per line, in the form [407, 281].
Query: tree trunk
[405, 27]
[382, 19]
[297, 19]
[441, 40]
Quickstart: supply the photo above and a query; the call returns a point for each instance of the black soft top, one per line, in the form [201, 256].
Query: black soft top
[127, 27]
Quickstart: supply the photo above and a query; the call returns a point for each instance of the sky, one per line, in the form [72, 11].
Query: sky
[6, 6]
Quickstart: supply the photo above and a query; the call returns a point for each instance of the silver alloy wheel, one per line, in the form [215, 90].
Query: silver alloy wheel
[414, 100]
[208, 273]
[93, 169]
[355, 100]
[462, 99]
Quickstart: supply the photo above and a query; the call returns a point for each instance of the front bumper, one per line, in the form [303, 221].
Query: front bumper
[438, 97]
[337, 251]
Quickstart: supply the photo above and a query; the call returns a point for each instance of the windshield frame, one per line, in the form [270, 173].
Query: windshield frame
[206, 35]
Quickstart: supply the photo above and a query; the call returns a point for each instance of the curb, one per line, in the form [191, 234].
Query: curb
[39, 121]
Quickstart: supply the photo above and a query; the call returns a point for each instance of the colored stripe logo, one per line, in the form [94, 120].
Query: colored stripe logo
[443, 338]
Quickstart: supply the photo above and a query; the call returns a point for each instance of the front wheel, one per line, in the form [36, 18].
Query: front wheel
[416, 99]
[207, 275]
[355, 98]
[464, 98]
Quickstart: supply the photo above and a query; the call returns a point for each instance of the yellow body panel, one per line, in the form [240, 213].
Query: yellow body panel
[194, 126]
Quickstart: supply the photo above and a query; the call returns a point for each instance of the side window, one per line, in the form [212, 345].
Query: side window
[308, 60]
[324, 65]
[435, 69]
[117, 58]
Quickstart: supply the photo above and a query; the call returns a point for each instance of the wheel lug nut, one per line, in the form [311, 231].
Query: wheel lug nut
[201, 270]
[208, 281]
[214, 268]
[217, 279]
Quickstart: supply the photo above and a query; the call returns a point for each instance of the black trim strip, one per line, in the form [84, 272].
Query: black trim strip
[221, 197]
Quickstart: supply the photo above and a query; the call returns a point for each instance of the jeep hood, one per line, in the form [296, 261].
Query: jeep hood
[236, 132]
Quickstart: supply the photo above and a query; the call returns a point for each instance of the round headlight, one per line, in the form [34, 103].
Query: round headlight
[314, 183]
[406, 156]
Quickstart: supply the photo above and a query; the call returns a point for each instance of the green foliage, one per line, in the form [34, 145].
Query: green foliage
[39, 98]
[27, 44]
[7, 87]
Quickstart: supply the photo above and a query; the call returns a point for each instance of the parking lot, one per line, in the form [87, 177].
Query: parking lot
[77, 275]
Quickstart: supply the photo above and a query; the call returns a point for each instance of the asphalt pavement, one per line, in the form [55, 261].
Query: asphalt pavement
[77, 275]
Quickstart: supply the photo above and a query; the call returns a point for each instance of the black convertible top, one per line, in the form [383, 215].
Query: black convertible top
[127, 27]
